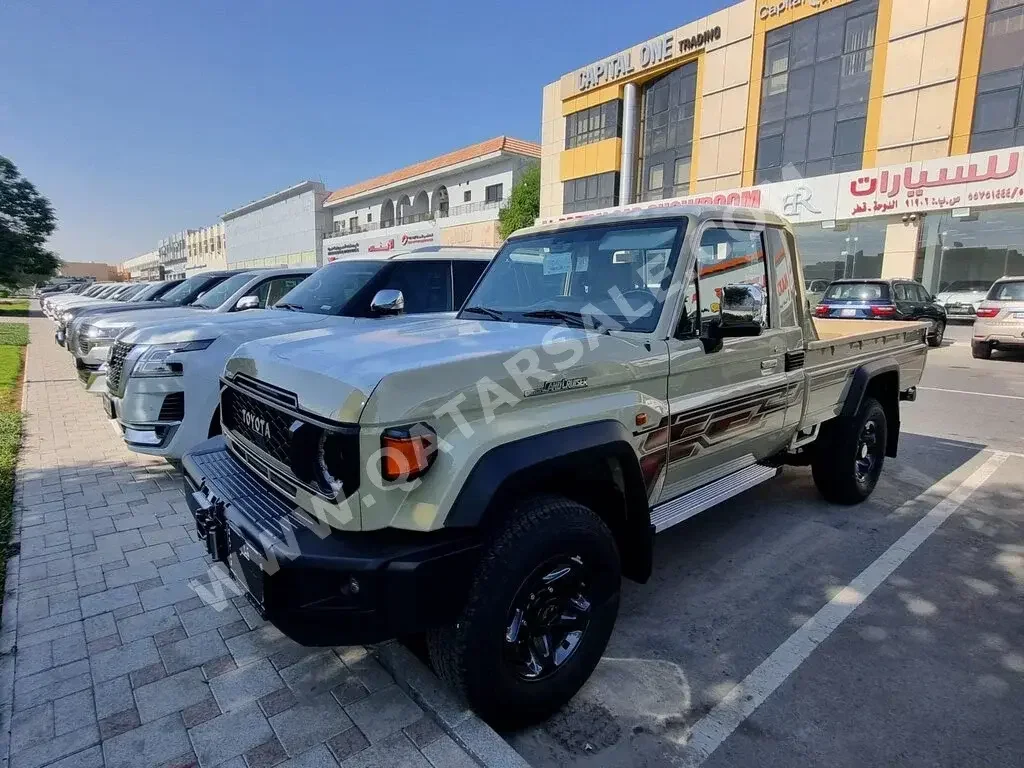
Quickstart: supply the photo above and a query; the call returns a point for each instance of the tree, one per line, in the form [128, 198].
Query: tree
[523, 204]
[26, 221]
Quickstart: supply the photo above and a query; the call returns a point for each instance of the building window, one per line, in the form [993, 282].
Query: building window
[593, 124]
[667, 131]
[493, 193]
[353, 223]
[814, 93]
[590, 193]
[964, 253]
[998, 118]
[852, 250]
[369, 218]
[467, 196]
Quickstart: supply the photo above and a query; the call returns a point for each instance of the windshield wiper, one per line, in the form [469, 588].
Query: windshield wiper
[288, 305]
[574, 319]
[491, 313]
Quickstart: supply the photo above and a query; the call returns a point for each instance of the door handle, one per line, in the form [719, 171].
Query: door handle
[769, 365]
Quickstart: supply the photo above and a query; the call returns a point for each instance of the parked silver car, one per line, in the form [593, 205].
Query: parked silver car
[1000, 318]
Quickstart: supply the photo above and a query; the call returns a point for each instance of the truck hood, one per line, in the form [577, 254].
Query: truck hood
[409, 368]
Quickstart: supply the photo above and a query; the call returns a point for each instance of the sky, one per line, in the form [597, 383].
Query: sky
[139, 118]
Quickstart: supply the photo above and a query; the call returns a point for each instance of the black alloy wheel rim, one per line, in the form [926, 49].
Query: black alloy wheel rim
[867, 451]
[548, 618]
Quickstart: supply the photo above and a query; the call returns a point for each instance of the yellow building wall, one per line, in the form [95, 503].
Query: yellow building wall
[482, 234]
[599, 157]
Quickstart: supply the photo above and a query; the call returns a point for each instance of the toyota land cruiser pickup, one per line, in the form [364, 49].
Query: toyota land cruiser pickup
[486, 480]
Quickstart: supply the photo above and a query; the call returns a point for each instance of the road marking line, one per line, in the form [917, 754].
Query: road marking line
[1005, 453]
[965, 392]
[744, 699]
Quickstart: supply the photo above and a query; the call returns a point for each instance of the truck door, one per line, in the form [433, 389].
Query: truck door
[727, 405]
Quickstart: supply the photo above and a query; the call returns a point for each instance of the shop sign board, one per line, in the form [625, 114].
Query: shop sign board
[382, 241]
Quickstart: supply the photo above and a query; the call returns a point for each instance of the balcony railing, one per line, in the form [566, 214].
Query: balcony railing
[415, 218]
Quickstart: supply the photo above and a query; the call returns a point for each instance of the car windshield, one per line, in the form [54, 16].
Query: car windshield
[603, 275]
[187, 290]
[859, 291]
[1011, 290]
[979, 286]
[328, 290]
[132, 292]
[217, 295]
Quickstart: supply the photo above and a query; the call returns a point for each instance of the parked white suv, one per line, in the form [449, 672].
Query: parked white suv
[90, 340]
[163, 382]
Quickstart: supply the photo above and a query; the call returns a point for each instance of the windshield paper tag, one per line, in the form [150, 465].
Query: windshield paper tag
[557, 263]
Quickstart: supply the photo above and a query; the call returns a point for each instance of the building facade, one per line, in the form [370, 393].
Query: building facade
[205, 249]
[284, 229]
[173, 252]
[95, 270]
[891, 132]
[145, 266]
[453, 199]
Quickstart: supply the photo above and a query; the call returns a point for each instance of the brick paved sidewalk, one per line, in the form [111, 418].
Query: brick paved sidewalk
[108, 657]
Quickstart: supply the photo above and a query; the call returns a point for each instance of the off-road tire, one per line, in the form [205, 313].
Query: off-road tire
[833, 466]
[981, 350]
[469, 655]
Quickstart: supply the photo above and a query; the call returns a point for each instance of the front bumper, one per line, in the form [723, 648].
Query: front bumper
[317, 585]
[145, 415]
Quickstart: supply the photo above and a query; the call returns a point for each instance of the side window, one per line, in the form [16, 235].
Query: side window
[900, 292]
[785, 281]
[426, 285]
[728, 257]
[465, 274]
[279, 287]
[261, 291]
[689, 320]
[922, 294]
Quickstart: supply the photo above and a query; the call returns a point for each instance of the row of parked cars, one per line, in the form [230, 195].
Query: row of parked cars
[476, 448]
[997, 308]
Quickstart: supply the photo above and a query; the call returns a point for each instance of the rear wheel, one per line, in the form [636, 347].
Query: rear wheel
[937, 334]
[539, 614]
[850, 453]
[981, 350]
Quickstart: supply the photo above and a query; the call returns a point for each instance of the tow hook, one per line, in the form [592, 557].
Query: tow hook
[909, 395]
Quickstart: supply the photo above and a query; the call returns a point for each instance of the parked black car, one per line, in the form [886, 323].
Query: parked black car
[896, 299]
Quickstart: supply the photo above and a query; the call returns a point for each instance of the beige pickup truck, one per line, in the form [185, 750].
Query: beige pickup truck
[488, 479]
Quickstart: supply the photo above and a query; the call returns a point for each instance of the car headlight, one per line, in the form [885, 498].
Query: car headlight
[97, 332]
[153, 362]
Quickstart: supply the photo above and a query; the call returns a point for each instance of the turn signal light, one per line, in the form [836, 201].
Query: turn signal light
[987, 311]
[821, 311]
[884, 310]
[407, 452]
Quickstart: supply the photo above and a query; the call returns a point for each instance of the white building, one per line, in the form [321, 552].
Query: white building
[284, 229]
[145, 266]
[205, 249]
[453, 199]
[173, 252]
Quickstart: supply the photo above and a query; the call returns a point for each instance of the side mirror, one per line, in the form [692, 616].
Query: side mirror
[388, 302]
[248, 302]
[744, 310]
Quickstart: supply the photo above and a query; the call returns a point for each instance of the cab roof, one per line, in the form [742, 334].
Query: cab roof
[696, 213]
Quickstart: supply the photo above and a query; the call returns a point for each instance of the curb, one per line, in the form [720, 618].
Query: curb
[471, 733]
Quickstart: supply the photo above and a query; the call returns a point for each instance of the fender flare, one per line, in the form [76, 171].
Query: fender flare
[859, 386]
[502, 469]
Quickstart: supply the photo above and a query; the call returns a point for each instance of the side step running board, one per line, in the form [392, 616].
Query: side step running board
[696, 501]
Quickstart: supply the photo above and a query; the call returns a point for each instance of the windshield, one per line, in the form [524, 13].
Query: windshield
[612, 276]
[145, 293]
[217, 295]
[979, 286]
[859, 291]
[1008, 291]
[328, 290]
[185, 291]
[132, 292]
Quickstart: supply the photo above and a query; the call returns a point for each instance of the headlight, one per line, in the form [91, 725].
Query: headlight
[153, 361]
[96, 332]
[65, 316]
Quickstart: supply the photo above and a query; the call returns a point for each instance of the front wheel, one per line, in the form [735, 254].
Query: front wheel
[539, 614]
[849, 454]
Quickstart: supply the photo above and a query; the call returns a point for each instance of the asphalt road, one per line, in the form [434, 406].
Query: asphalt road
[782, 631]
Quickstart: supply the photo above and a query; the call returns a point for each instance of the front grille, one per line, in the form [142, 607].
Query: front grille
[321, 457]
[173, 408]
[262, 425]
[115, 367]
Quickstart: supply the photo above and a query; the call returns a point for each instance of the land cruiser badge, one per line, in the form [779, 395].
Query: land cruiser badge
[553, 387]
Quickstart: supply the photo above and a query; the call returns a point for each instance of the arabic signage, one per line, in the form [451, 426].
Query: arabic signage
[382, 241]
[981, 179]
[984, 179]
